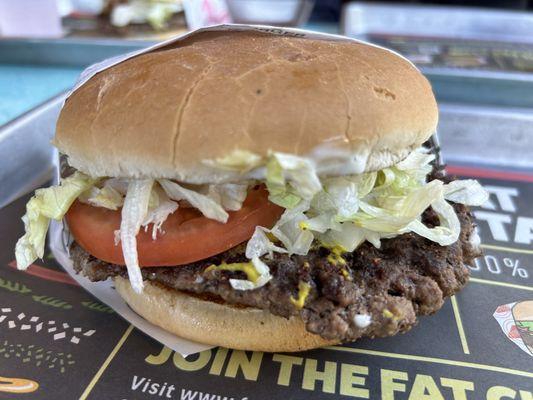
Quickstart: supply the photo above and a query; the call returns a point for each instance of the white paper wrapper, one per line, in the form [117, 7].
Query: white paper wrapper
[504, 315]
[104, 290]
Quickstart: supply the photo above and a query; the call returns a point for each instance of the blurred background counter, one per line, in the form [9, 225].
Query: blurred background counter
[471, 54]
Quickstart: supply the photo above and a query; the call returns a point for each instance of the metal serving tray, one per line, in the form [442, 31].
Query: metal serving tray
[469, 54]
[73, 52]
[26, 155]
[461, 22]
[468, 135]
[484, 135]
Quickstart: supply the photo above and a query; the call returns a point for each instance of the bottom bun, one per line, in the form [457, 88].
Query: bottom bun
[218, 324]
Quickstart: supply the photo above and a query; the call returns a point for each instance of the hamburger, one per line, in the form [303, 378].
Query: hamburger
[127, 18]
[523, 318]
[142, 15]
[261, 192]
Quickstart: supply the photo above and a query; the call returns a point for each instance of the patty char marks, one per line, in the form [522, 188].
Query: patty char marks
[408, 276]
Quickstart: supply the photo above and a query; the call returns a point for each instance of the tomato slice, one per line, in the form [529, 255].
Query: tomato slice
[188, 235]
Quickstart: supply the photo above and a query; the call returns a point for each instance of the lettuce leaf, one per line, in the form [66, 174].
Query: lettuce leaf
[134, 212]
[46, 204]
[344, 196]
[467, 191]
[259, 244]
[288, 230]
[118, 184]
[229, 195]
[449, 229]
[263, 278]
[159, 14]
[106, 197]
[257, 273]
[156, 13]
[207, 206]
[321, 223]
[346, 211]
[158, 214]
[291, 178]
[349, 237]
[416, 160]
[338, 212]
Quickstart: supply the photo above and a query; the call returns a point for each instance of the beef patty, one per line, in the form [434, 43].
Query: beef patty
[369, 292]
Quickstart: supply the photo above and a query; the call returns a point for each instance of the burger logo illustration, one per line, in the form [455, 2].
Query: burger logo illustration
[516, 321]
[523, 317]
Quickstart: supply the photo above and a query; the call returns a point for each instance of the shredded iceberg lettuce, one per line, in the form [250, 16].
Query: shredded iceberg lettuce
[347, 211]
[46, 204]
[134, 212]
[449, 229]
[263, 277]
[466, 191]
[290, 179]
[288, 230]
[209, 207]
[143, 203]
[257, 273]
[229, 195]
[259, 244]
[118, 184]
[106, 197]
[159, 211]
[337, 212]
[156, 13]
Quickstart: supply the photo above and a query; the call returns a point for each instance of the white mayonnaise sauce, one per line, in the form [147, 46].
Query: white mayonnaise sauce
[362, 320]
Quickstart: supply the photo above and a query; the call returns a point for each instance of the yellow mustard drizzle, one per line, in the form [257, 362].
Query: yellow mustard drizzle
[388, 314]
[248, 268]
[303, 292]
[335, 257]
[303, 225]
[346, 274]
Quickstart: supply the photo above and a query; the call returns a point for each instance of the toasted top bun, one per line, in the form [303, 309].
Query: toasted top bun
[217, 324]
[170, 113]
